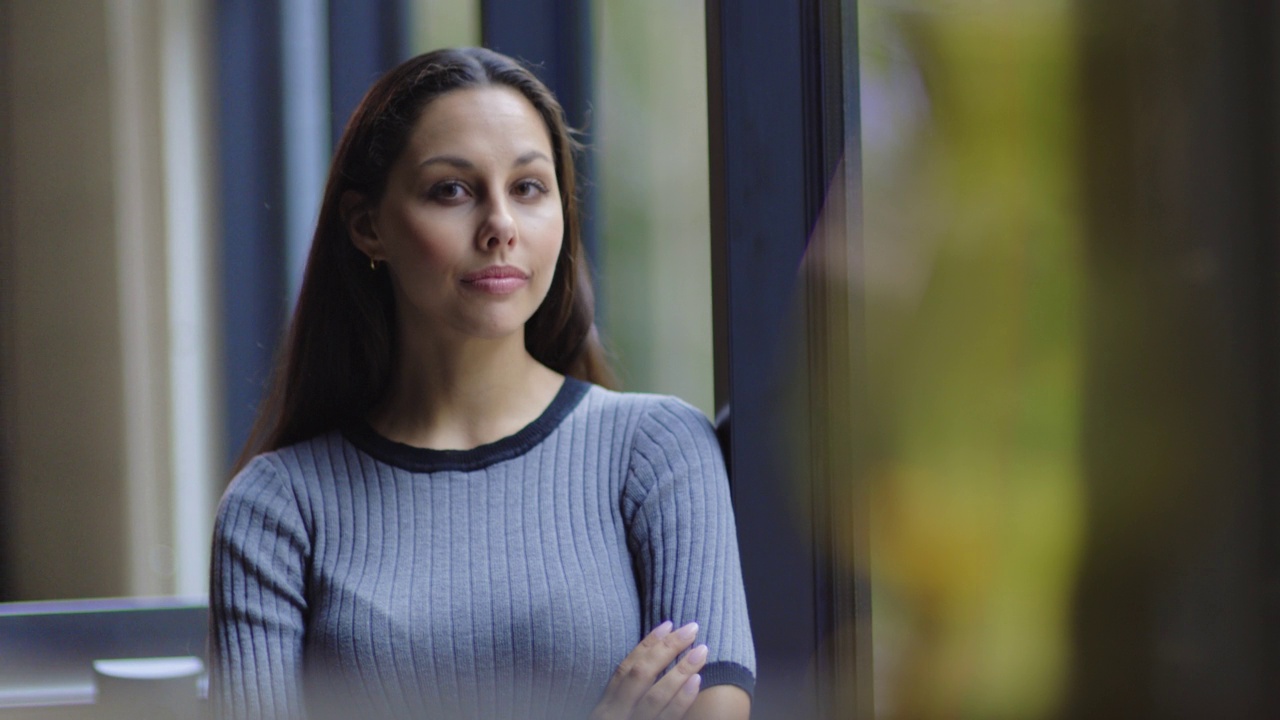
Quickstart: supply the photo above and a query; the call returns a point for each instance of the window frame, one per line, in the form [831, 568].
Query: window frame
[783, 86]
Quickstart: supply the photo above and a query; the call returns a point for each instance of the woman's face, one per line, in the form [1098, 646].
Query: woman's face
[470, 224]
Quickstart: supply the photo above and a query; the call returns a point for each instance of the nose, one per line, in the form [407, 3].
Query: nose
[499, 227]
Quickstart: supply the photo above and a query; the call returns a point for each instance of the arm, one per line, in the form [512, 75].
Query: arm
[681, 532]
[722, 702]
[256, 600]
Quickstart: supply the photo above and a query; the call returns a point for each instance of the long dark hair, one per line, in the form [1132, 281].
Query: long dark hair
[338, 353]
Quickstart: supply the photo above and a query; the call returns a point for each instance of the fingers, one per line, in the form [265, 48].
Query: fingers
[675, 691]
[637, 673]
[683, 699]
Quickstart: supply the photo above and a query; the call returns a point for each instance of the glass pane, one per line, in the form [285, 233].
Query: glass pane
[443, 23]
[650, 135]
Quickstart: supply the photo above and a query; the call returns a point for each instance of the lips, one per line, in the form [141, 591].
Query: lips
[496, 279]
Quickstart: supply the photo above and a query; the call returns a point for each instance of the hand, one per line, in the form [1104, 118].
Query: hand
[637, 693]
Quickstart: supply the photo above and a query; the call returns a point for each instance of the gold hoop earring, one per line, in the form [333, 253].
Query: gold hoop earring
[373, 264]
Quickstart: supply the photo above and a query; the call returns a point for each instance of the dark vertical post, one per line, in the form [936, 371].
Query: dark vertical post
[554, 38]
[251, 192]
[1261, 22]
[1256, 59]
[366, 39]
[759, 227]
[784, 152]
[1177, 606]
[6, 285]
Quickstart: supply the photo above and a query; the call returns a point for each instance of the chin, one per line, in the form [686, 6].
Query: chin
[493, 328]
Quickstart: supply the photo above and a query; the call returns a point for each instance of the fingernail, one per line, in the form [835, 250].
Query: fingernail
[688, 632]
[691, 685]
[664, 629]
[698, 655]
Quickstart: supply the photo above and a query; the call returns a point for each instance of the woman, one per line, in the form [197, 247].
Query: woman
[447, 515]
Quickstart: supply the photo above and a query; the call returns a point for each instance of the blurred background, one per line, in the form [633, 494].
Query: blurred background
[1070, 287]
[1022, 389]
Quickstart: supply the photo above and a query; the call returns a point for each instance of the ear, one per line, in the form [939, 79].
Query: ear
[358, 218]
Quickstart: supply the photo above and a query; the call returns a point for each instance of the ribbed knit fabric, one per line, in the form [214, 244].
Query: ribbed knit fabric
[358, 577]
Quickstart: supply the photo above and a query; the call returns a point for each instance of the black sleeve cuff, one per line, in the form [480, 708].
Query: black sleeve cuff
[728, 673]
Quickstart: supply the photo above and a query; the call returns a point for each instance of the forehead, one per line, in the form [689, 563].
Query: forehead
[494, 120]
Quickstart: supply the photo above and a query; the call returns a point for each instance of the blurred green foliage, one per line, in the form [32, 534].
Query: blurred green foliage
[973, 288]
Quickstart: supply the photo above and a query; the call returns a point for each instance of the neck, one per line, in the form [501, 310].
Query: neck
[462, 394]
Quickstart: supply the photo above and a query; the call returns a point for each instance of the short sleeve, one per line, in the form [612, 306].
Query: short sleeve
[683, 539]
[257, 599]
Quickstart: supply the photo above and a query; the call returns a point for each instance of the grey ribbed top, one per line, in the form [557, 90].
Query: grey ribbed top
[352, 574]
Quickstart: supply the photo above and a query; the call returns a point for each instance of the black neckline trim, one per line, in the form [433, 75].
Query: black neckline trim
[416, 459]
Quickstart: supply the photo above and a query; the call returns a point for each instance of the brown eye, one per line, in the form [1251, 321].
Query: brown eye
[449, 190]
[530, 188]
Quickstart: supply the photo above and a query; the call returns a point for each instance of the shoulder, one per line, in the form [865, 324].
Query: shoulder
[670, 428]
[643, 410]
[280, 482]
[647, 422]
[263, 480]
[669, 444]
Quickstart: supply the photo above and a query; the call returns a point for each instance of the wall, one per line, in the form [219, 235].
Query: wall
[104, 325]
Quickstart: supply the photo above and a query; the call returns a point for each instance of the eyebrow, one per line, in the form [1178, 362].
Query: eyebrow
[530, 156]
[465, 164]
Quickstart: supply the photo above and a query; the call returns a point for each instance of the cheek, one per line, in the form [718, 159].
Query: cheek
[548, 255]
[551, 235]
[551, 257]
[425, 241]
